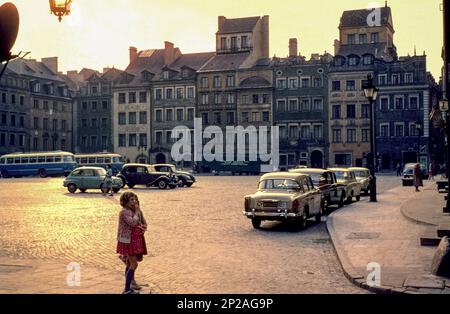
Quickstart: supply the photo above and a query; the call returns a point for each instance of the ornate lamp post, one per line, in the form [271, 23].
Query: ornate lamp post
[371, 93]
[60, 8]
[418, 125]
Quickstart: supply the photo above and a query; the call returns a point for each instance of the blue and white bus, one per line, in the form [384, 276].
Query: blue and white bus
[101, 160]
[42, 164]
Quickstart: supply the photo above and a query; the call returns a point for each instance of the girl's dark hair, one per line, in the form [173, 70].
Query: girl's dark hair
[125, 198]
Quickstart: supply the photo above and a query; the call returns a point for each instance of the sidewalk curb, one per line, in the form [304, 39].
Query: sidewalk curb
[415, 220]
[348, 269]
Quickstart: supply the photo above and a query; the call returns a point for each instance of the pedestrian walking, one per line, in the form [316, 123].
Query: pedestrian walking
[399, 170]
[417, 177]
[431, 171]
[108, 182]
[130, 238]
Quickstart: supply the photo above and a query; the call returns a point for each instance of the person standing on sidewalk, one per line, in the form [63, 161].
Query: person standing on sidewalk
[417, 177]
[431, 171]
[399, 170]
[108, 182]
[130, 237]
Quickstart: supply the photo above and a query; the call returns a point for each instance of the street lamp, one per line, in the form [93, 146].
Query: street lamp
[371, 93]
[60, 8]
[418, 125]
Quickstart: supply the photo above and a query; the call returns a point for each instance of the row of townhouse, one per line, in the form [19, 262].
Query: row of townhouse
[318, 104]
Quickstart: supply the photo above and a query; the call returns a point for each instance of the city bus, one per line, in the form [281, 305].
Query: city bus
[42, 164]
[101, 160]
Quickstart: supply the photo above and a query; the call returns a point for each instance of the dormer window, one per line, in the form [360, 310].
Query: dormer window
[244, 42]
[351, 39]
[367, 60]
[223, 43]
[147, 76]
[166, 75]
[233, 43]
[339, 61]
[94, 90]
[353, 60]
[184, 73]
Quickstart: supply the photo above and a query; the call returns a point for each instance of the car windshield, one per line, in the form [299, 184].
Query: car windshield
[278, 184]
[316, 178]
[361, 174]
[101, 172]
[342, 175]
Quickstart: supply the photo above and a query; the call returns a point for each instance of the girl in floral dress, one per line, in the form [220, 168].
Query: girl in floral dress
[130, 237]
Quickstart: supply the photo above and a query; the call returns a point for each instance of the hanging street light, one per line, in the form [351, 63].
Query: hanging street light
[60, 8]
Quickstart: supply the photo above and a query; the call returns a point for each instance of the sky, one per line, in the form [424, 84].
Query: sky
[99, 33]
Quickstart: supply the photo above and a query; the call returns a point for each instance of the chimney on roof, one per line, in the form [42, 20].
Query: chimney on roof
[265, 36]
[221, 22]
[73, 75]
[337, 46]
[51, 63]
[170, 54]
[293, 48]
[133, 54]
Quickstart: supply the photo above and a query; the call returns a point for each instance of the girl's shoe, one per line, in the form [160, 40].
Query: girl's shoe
[131, 291]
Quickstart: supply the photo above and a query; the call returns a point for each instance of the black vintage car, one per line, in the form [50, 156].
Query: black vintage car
[142, 174]
[333, 193]
[184, 178]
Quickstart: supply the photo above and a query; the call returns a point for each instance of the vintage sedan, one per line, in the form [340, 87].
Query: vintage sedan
[88, 178]
[332, 192]
[284, 196]
[142, 174]
[363, 176]
[184, 178]
[347, 178]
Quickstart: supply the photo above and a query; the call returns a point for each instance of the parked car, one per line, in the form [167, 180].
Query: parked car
[347, 178]
[408, 171]
[184, 178]
[284, 196]
[332, 192]
[363, 176]
[88, 178]
[142, 174]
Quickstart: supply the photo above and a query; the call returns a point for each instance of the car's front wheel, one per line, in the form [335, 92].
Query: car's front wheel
[181, 183]
[116, 190]
[189, 184]
[42, 173]
[72, 188]
[256, 223]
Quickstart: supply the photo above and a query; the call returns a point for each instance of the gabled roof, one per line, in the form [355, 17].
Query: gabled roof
[225, 62]
[112, 74]
[33, 68]
[239, 25]
[192, 61]
[356, 18]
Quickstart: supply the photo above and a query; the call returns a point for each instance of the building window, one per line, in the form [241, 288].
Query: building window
[317, 105]
[190, 92]
[367, 60]
[266, 99]
[336, 86]
[158, 93]
[351, 135]
[255, 99]
[413, 130]
[142, 97]
[384, 130]
[180, 114]
[22, 100]
[230, 117]
[36, 123]
[94, 123]
[142, 139]
[255, 116]
[306, 82]
[244, 41]
[365, 135]
[337, 136]
[231, 81]
[351, 85]
[266, 116]
[158, 115]
[4, 98]
[94, 105]
[55, 125]
[84, 105]
[218, 99]
[122, 140]
[217, 118]
[413, 102]
[166, 75]
[205, 118]
[105, 105]
[84, 123]
[305, 105]
[336, 112]
[169, 93]
[399, 130]
[293, 105]
[283, 133]
[190, 114]
[365, 111]
[159, 137]
[362, 39]
[384, 103]
[94, 90]
[399, 103]
[281, 105]
[281, 83]
[230, 99]
[104, 142]
[45, 124]
[351, 39]
[305, 132]
[45, 105]
[351, 111]
[36, 104]
[204, 99]
[93, 141]
[122, 97]
[382, 79]
[233, 43]
[35, 143]
[374, 37]
[352, 61]
[217, 82]
[104, 122]
[293, 83]
[132, 140]
[409, 78]
[293, 131]
[13, 120]
[223, 43]
[318, 82]
[169, 114]
[143, 117]
[395, 79]
[245, 117]
[180, 92]
[204, 81]
[122, 118]
[318, 131]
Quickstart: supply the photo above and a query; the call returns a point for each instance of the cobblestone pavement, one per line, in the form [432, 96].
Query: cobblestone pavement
[198, 241]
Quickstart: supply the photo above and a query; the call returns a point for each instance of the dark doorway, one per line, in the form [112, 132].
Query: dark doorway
[316, 159]
[385, 161]
[409, 157]
[160, 159]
